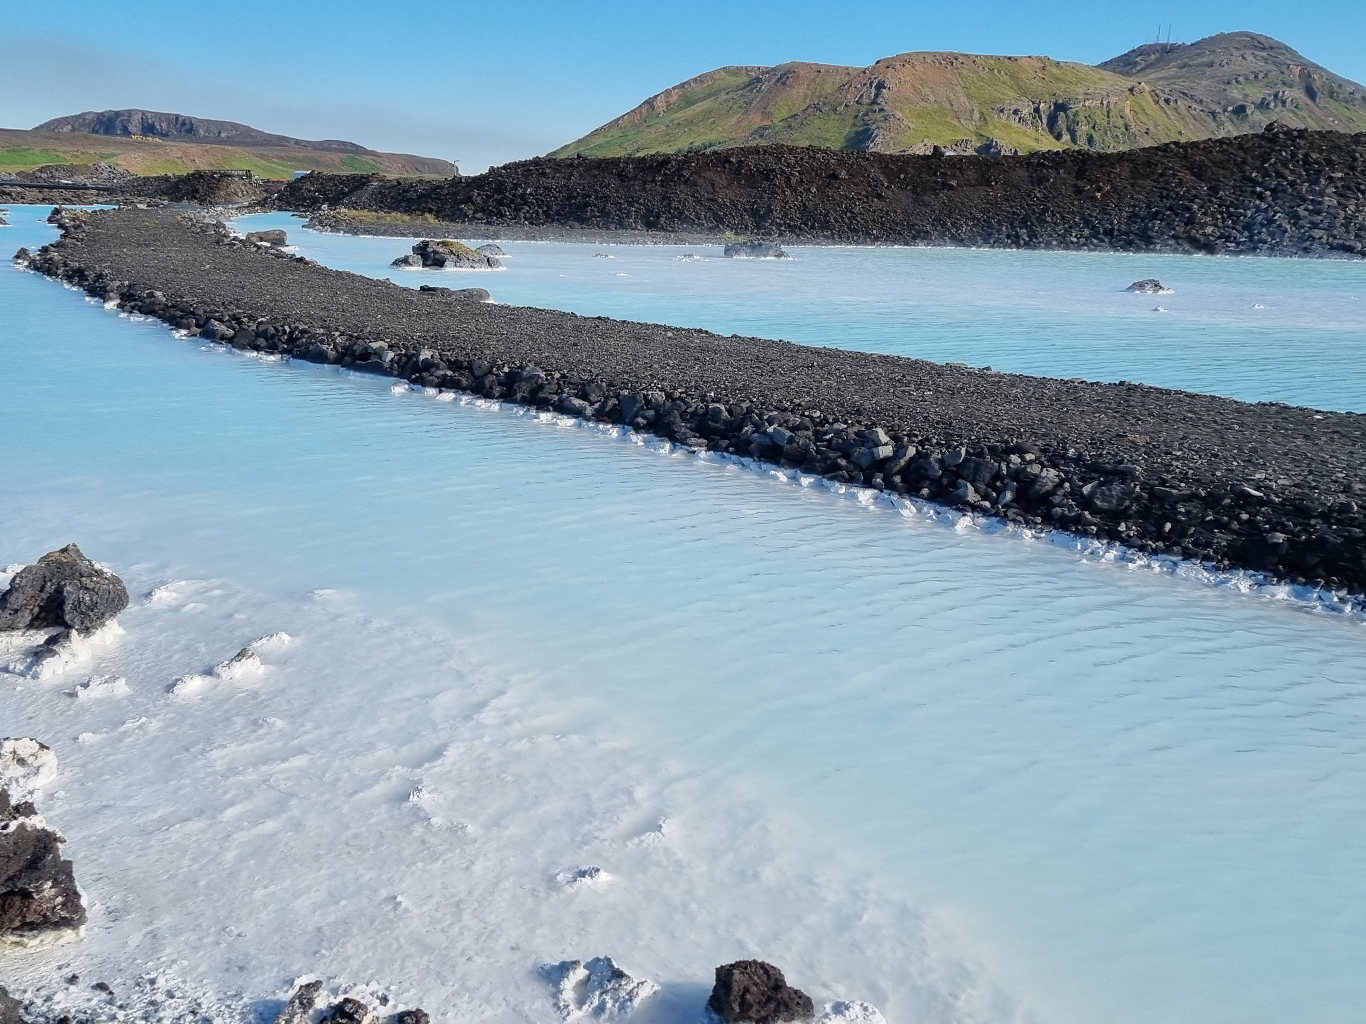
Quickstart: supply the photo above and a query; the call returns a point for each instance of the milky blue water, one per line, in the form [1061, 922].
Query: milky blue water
[1142, 799]
[1257, 329]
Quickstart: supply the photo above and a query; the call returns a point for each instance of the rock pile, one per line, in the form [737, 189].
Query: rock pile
[446, 254]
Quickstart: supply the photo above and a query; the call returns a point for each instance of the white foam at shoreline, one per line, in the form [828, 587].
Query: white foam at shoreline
[1242, 581]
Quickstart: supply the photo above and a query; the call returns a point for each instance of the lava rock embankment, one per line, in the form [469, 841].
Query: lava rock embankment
[1279, 192]
[1259, 486]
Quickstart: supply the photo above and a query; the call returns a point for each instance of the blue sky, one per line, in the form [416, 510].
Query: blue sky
[495, 81]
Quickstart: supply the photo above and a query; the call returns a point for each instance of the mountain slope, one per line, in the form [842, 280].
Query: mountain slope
[135, 123]
[153, 142]
[1224, 85]
[1252, 78]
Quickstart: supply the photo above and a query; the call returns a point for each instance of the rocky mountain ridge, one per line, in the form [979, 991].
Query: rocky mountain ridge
[156, 142]
[1228, 84]
[134, 123]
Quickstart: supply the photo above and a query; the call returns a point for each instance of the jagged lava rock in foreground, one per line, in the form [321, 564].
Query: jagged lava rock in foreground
[1262, 486]
[756, 992]
[62, 589]
[39, 902]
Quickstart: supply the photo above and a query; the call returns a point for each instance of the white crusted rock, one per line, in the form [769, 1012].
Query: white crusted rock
[598, 988]
[26, 767]
[852, 1011]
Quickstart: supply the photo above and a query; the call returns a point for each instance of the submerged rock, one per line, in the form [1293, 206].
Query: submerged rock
[598, 988]
[39, 902]
[62, 589]
[757, 992]
[447, 254]
[1149, 286]
[272, 236]
[755, 250]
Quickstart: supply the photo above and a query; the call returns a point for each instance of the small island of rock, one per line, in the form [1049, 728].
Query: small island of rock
[447, 254]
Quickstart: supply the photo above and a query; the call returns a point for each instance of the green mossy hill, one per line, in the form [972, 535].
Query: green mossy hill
[1228, 84]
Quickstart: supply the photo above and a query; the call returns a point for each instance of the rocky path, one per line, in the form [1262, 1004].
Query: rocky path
[1263, 486]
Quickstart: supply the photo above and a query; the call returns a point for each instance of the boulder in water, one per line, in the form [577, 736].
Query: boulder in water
[63, 589]
[490, 249]
[447, 254]
[757, 992]
[39, 902]
[755, 250]
[467, 294]
[272, 236]
[1149, 286]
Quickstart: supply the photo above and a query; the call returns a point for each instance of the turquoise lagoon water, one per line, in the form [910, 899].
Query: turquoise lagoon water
[1250, 328]
[1132, 797]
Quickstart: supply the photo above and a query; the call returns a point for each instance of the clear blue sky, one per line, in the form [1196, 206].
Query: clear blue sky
[491, 81]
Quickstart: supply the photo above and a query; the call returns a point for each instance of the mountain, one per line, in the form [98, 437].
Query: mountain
[182, 128]
[154, 142]
[1227, 84]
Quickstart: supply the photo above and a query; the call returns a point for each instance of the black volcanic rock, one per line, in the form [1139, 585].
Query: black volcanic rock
[62, 589]
[447, 254]
[757, 992]
[299, 1009]
[11, 1010]
[1289, 192]
[38, 894]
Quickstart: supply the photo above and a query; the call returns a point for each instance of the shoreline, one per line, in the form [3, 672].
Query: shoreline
[1263, 487]
[1277, 192]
